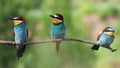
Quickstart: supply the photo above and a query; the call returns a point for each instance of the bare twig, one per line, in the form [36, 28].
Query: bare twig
[12, 43]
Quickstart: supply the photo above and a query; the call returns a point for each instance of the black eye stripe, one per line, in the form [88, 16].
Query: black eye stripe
[57, 17]
[17, 19]
[109, 31]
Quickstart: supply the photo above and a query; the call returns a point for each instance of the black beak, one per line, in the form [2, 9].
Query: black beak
[14, 18]
[52, 16]
[11, 18]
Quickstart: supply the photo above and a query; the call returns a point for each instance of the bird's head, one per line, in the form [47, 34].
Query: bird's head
[57, 18]
[18, 20]
[109, 31]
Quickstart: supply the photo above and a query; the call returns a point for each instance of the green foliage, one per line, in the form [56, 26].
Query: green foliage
[110, 11]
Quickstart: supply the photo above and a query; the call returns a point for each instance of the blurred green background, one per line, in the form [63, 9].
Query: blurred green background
[83, 19]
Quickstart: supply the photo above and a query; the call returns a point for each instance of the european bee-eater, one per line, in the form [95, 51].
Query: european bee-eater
[58, 29]
[21, 34]
[105, 39]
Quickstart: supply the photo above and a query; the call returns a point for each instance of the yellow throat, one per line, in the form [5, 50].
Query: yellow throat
[17, 22]
[110, 33]
[56, 21]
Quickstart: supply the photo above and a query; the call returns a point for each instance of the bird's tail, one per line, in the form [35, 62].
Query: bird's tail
[58, 46]
[95, 47]
[20, 51]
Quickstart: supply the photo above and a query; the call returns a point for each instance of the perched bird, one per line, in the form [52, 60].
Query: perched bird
[58, 29]
[21, 34]
[105, 39]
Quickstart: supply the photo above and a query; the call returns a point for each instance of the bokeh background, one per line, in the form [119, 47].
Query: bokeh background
[83, 19]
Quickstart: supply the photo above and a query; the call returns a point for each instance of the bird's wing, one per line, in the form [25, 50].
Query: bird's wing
[99, 35]
[27, 32]
[14, 35]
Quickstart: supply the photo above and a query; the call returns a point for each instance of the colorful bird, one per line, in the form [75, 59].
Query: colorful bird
[105, 39]
[58, 29]
[21, 34]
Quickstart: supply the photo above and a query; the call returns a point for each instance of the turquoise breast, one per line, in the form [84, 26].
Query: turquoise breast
[105, 40]
[20, 33]
[58, 31]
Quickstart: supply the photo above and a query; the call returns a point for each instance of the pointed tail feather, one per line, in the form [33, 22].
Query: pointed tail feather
[20, 51]
[19, 54]
[95, 47]
[23, 49]
[57, 46]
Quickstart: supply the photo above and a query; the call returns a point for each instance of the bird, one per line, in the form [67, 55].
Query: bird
[105, 39]
[20, 34]
[58, 29]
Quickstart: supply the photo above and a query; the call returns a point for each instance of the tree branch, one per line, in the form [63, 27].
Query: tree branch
[12, 43]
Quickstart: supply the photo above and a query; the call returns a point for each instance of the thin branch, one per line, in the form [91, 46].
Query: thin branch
[12, 43]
